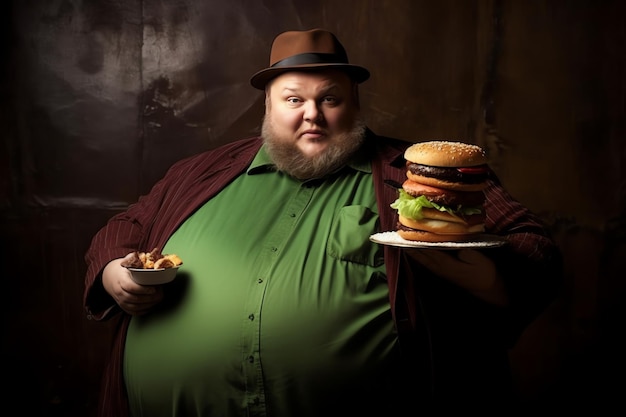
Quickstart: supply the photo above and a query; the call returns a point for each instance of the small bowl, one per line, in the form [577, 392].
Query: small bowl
[153, 276]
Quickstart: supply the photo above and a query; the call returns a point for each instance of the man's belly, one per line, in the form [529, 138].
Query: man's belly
[282, 318]
[228, 348]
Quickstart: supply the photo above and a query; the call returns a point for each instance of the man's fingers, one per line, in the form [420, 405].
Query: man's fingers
[470, 256]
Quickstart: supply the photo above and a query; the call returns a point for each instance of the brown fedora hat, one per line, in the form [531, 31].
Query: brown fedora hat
[310, 49]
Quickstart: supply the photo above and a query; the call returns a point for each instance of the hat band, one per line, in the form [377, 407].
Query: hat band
[310, 58]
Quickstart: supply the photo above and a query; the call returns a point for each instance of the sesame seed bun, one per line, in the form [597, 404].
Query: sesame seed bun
[446, 154]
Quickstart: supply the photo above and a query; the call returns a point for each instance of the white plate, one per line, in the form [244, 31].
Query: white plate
[153, 276]
[481, 241]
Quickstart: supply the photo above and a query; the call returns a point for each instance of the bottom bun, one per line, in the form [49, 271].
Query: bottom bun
[441, 227]
[423, 236]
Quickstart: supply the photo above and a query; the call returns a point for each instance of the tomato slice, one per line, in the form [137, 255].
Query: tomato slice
[472, 170]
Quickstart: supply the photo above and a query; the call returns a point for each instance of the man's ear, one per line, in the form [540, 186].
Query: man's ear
[268, 101]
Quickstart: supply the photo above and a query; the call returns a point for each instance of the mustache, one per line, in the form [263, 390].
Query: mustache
[288, 158]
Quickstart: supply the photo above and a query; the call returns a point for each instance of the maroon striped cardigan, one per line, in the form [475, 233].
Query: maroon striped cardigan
[442, 330]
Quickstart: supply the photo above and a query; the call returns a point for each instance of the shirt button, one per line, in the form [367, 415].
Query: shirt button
[251, 316]
[260, 280]
[292, 215]
[251, 359]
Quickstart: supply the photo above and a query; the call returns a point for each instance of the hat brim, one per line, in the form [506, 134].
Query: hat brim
[261, 78]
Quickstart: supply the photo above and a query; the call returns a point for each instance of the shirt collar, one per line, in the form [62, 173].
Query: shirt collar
[262, 162]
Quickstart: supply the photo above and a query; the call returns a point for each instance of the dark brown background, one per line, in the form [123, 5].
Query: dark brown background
[100, 97]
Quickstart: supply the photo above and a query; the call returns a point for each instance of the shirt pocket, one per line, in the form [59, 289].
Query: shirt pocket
[349, 236]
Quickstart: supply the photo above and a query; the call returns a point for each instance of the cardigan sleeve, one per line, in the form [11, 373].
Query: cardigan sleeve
[529, 264]
[123, 233]
[154, 217]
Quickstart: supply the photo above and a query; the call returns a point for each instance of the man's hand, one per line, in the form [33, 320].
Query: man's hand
[133, 298]
[466, 268]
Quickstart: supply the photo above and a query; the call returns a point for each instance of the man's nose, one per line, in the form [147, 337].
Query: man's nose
[312, 113]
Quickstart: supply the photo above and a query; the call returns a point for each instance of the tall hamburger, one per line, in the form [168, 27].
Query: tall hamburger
[442, 198]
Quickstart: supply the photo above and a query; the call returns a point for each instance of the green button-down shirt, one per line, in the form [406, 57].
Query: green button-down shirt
[281, 306]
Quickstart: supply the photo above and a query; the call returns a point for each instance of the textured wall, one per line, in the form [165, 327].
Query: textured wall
[100, 97]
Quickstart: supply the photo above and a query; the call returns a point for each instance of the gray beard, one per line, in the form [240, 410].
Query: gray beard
[290, 160]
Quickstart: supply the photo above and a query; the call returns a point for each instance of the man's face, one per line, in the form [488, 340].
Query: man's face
[311, 123]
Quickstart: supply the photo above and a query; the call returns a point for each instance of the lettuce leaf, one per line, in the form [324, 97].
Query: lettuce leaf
[411, 207]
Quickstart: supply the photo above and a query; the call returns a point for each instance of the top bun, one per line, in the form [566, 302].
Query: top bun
[441, 153]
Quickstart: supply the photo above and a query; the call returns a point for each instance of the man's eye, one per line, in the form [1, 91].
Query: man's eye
[293, 100]
[329, 100]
